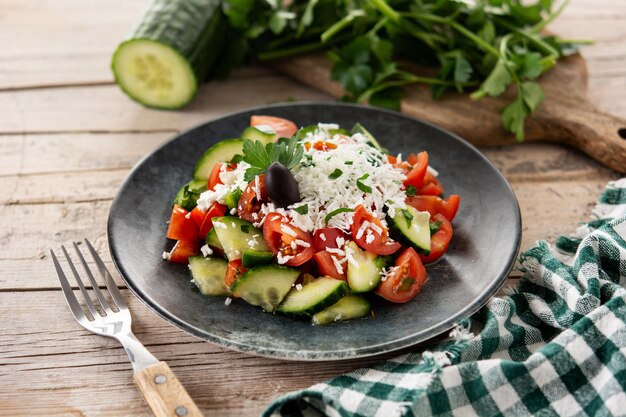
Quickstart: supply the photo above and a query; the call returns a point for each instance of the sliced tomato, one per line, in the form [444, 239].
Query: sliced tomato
[380, 245]
[183, 249]
[415, 176]
[216, 210]
[181, 226]
[431, 186]
[249, 204]
[326, 265]
[406, 279]
[197, 216]
[286, 240]
[326, 237]
[436, 205]
[233, 271]
[214, 178]
[439, 241]
[285, 128]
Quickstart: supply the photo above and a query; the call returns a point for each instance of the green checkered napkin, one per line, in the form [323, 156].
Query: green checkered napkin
[555, 346]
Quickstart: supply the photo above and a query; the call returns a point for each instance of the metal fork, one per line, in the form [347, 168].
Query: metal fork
[158, 385]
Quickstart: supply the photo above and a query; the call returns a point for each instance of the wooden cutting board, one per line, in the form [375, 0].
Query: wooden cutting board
[565, 116]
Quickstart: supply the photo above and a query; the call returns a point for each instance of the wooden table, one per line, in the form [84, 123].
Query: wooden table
[68, 137]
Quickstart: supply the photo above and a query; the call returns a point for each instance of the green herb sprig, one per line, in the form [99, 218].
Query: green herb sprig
[288, 152]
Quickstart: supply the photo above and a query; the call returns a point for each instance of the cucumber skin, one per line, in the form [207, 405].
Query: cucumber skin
[329, 314]
[340, 291]
[396, 233]
[252, 273]
[192, 29]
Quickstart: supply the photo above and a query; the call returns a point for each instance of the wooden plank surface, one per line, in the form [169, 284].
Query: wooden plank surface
[68, 137]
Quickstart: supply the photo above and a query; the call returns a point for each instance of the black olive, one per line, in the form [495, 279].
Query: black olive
[281, 186]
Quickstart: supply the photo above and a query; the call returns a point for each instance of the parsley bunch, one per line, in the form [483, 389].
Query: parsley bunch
[287, 152]
[477, 46]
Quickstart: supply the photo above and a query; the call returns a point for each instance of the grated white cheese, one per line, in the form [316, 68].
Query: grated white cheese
[233, 211]
[287, 230]
[299, 287]
[227, 301]
[206, 250]
[231, 180]
[282, 259]
[166, 256]
[323, 237]
[340, 241]
[337, 264]
[302, 243]
[188, 215]
[220, 225]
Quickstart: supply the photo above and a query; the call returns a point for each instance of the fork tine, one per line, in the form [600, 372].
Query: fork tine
[106, 275]
[79, 281]
[72, 302]
[94, 283]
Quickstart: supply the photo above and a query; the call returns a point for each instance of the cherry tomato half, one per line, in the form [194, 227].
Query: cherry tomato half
[327, 266]
[286, 240]
[440, 241]
[326, 237]
[233, 271]
[216, 210]
[181, 226]
[214, 178]
[406, 280]
[436, 205]
[431, 186]
[415, 176]
[285, 128]
[380, 244]
[249, 205]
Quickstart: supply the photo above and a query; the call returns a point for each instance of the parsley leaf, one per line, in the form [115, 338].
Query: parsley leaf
[303, 209]
[408, 217]
[411, 191]
[336, 212]
[363, 187]
[434, 227]
[288, 152]
[335, 174]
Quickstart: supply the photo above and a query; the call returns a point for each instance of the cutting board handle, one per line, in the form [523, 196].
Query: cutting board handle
[595, 132]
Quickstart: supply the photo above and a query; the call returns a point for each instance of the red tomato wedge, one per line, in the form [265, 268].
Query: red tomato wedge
[406, 279]
[431, 186]
[380, 244]
[327, 266]
[249, 204]
[415, 176]
[216, 210]
[183, 249]
[285, 128]
[233, 271]
[214, 178]
[439, 241]
[197, 216]
[181, 226]
[286, 240]
[436, 205]
[326, 237]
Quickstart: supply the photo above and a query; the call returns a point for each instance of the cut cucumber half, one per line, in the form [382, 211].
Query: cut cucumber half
[222, 151]
[208, 274]
[237, 236]
[170, 51]
[265, 286]
[412, 228]
[313, 297]
[363, 271]
[348, 308]
[262, 136]
[252, 258]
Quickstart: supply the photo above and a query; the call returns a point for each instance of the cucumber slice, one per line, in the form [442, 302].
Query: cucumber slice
[222, 151]
[412, 228]
[253, 258]
[212, 240]
[313, 297]
[302, 133]
[358, 128]
[237, 236]
[232, 198]
[265, 286]
[187, 196]
[170, 52]
[208, 274]
[363, 271]
[262, 136]
[348, 308]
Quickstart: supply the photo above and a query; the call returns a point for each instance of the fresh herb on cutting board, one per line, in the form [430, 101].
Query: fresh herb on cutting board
[473, 46]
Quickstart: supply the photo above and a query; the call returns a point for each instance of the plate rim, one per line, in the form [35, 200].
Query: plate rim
[304, 355]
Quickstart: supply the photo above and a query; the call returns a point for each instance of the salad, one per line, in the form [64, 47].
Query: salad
[309, 222]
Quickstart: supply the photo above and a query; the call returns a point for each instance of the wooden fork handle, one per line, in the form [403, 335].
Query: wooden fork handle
[164, 394]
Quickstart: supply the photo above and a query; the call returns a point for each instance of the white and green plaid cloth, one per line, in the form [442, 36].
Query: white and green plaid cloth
[556, 346]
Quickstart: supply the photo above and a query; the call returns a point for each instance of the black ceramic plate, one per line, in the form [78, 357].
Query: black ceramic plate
[481, 254]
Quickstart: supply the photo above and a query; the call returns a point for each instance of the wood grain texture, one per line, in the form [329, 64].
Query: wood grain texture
[68, 137]
[164, 393]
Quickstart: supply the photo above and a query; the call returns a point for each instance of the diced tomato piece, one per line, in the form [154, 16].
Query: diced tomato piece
[216, 210]
[327, 267]
[286, 240]
[415, 176]
[181, 226]
[431, 186]
[285, 128]
[326, 237]
[380, 244]
[249, 205]
[197, 216]
[233, 271]
[439, 241]
[406, 280]
[183, 249]
[436, 205]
